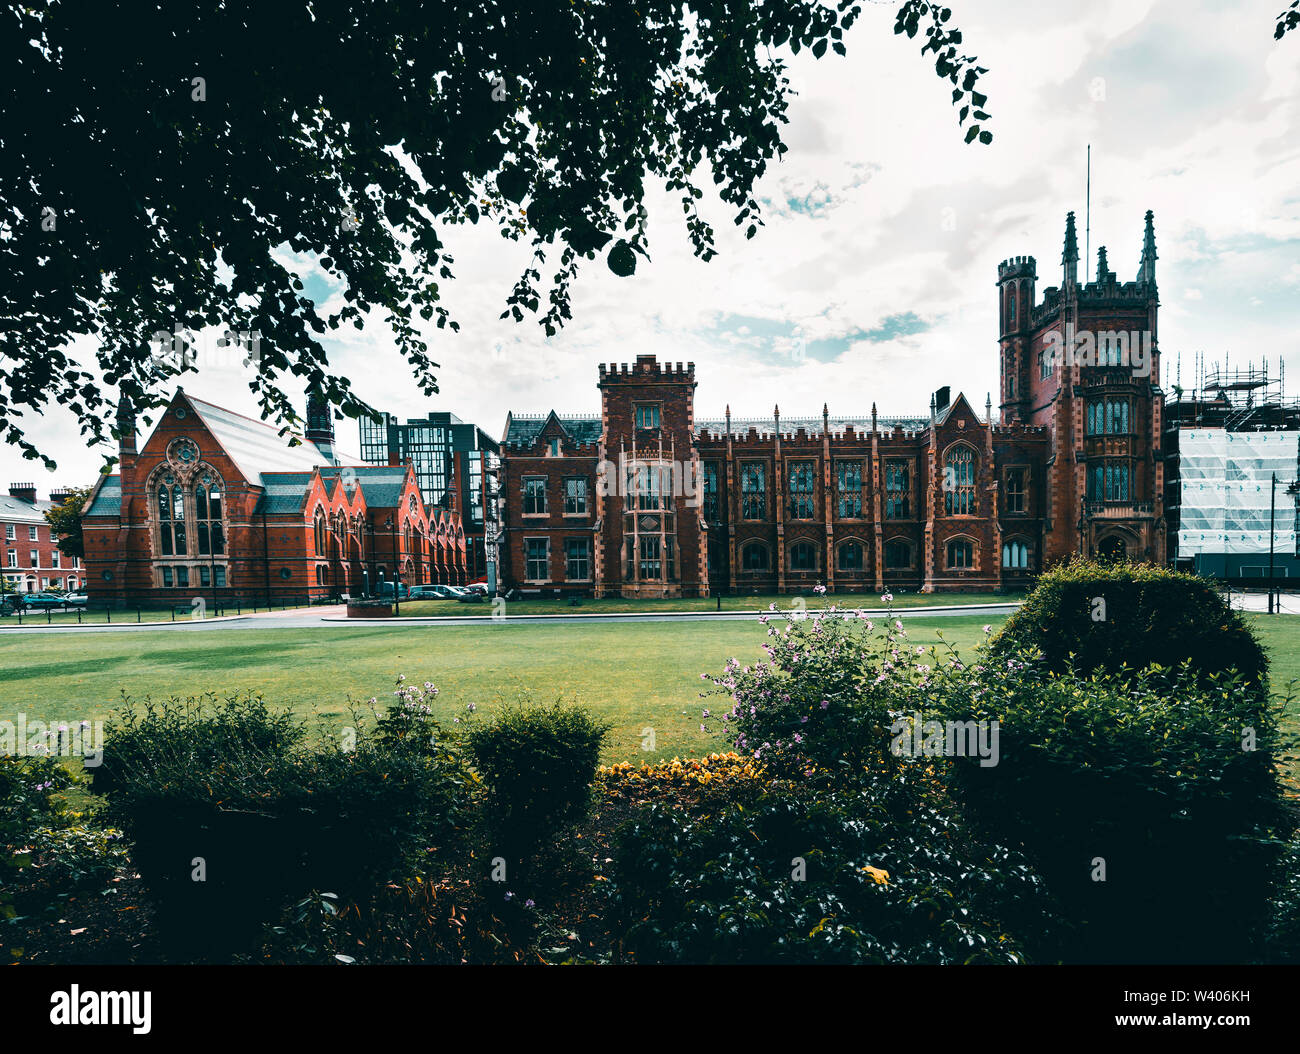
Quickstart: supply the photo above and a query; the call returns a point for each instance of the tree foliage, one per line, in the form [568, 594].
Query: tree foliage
[65, 522]
[158, 167]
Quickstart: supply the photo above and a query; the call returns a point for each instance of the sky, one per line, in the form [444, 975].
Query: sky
[873, 280]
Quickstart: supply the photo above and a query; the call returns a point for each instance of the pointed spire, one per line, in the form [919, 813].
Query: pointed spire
[126, 436]
[1103, 266]
[728, 419]
[931, 408]
[873, 416]
[988, 409]
[1147, 269]
[1070, 256]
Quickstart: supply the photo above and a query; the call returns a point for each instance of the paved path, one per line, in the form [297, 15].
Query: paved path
[334, 616]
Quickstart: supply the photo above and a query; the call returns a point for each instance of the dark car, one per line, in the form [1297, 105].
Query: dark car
[43, 601]
[386, 590]
[10, 602]
[432, 591]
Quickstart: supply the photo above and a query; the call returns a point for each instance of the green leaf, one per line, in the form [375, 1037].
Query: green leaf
[622, 259]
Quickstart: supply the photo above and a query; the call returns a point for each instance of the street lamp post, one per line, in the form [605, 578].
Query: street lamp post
[397, 573]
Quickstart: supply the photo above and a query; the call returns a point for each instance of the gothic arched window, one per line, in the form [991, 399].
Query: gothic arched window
[959, 482]
[208, 518]
[171, 520]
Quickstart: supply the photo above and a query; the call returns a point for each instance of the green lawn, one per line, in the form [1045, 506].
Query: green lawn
[758, 602]
[635, 675]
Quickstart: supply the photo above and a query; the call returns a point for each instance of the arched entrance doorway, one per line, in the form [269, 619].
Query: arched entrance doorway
[1112, 550]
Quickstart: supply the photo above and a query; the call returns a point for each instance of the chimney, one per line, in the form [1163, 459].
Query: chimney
[23, 492]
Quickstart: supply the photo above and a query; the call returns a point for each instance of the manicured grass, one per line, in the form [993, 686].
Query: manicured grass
[759, 602]
[636, 676]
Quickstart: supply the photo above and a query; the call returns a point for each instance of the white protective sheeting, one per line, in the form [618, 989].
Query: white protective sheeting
[1226, 489]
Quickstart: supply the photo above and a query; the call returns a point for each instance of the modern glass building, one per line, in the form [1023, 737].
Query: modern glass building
[457, 467]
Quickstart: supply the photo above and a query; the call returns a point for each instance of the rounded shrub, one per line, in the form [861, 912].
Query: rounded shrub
[1107, 616]
[538, 763]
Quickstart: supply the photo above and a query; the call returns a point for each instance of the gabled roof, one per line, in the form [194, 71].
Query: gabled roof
[524, 430]
[256, 447]
[284, 493]
[942, 416]
[381, 484]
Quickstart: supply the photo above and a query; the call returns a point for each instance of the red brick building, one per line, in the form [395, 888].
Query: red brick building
[220, 506]
[31, 558]
[646, 500]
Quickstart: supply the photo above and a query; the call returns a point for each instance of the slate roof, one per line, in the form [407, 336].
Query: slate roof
[15, 510]
[523, 430]
[284, 493]
[256, 447]
[108, 498]
[381, 484]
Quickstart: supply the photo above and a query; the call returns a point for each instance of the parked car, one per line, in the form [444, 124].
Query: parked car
[46, 600]
[10, 602]
[469, 595]
[433, 591]
[76, 600]
[386, 590]
[480, 588]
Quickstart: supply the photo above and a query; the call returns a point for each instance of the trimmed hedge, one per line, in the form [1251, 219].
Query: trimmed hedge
[231, 812]
[1107, 616]
[539, 763]
[1150, 802]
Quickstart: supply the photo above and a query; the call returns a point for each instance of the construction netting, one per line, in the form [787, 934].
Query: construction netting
[1226, 487]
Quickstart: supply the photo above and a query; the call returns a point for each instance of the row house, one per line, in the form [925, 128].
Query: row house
[32, 559]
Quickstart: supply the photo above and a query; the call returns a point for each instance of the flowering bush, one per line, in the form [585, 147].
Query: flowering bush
[797, 877]
[700, 771]
[823, 702]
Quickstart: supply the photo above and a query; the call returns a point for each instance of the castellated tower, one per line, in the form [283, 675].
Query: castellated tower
[1085, 364]
[652, 540]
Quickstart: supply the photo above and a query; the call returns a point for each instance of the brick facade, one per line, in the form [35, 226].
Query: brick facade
[30, 560]
[950, 502]
[219, 506]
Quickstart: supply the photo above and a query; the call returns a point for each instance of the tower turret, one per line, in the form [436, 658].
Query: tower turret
[320, 424]
[1147, 268]
[1070, 254]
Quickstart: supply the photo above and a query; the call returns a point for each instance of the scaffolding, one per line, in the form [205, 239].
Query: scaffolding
[1227, 491]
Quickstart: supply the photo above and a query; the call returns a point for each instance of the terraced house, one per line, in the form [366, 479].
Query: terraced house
[645, 499]
[221, 506]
